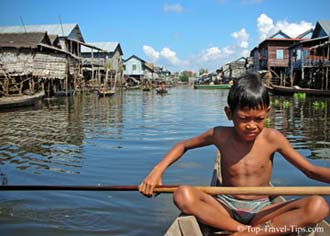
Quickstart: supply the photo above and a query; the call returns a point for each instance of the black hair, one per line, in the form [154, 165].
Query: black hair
[248, 91]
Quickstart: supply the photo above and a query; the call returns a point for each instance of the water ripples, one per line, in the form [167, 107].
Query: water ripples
[88, 140]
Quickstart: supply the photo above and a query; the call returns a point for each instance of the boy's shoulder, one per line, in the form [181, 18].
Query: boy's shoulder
[223, 128]
[272, 134]
[223, 131]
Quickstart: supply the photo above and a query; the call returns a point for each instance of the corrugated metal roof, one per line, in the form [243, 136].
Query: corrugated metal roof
[325, 24]
[106, 46]
[57, 29]
[321, 25]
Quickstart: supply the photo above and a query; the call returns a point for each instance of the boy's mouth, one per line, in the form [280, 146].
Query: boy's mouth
[251, 134]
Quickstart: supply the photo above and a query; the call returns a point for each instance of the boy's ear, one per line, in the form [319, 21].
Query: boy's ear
[269, 109]
[228, 113]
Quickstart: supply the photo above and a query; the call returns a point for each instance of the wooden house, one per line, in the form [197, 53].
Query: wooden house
[134, 67]
[105, 62]
[69, 36]
[273, 55]
[64, 43]
[28, 61]
[142, 71]
[309, 59]
[254, 55]
[235, 68]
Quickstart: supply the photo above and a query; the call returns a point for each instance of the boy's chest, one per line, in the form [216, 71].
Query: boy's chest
[248, 163]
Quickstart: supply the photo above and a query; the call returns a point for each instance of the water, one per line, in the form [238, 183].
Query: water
[86, 140]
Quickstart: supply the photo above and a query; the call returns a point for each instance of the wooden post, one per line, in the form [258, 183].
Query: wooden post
[327, 66]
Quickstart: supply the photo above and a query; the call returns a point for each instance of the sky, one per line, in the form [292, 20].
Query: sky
[177, 35]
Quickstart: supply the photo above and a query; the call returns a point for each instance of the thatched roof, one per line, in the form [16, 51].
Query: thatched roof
[23, 40]
[70, 31]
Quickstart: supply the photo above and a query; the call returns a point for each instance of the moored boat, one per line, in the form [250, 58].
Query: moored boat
[161, 90]
[187, 225]
[282, 90]
[20, 100]
[106, 93]
[212, 86]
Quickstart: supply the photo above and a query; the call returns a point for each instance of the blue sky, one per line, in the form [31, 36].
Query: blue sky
[179, 35]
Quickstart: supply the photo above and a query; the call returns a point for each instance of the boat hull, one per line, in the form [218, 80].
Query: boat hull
[20, 101]
[187, 225]
[210, 86]
[282, 90]
[106, 93]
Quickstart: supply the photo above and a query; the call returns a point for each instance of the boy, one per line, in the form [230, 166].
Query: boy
[247, 151]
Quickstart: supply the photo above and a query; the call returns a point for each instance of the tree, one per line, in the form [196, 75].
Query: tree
[203, 71]
[184, 77]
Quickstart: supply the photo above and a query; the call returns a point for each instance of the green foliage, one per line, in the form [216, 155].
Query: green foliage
[300, 96]
[319, 105]
[184, 77]
[286, 104]
[202, 71]
[108, 65]
[267, 122]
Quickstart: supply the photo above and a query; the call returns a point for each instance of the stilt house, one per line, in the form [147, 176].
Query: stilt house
[59, 66]
[309, 59]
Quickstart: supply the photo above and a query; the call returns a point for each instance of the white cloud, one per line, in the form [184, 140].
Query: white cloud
[293, 29]
[177, 8]
[228, 50]
[151, 53]
[166, 55]
[210, 54]
[266, 27]
[170, 55]
[242, 38]
[215, 56]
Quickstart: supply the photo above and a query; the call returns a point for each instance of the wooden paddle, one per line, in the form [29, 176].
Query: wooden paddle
[296, 190]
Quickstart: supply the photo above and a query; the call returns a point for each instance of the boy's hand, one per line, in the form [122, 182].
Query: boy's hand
[148, 184]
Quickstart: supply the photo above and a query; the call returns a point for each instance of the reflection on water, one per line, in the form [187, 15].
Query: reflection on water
[49, 138]
[86, 140]
[305, 121]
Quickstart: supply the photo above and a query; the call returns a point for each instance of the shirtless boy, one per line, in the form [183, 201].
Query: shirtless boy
[247, 150]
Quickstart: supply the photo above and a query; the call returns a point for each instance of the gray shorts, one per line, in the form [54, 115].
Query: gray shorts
[243, 210]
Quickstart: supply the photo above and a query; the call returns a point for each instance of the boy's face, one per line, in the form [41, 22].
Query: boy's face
[248, 122]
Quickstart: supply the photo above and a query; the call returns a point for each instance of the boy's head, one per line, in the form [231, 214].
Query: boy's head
[248, 92]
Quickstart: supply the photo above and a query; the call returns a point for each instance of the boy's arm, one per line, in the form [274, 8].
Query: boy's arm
[154, 177]
[291, 155]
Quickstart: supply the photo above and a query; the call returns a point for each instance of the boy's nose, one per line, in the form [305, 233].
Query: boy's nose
[251, 125]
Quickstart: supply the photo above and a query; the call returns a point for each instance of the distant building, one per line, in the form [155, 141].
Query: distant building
[69, 35]
[28, 60]
[235, 68]
[139, 69]
[108, 56]
[54, 58]
[309, 60]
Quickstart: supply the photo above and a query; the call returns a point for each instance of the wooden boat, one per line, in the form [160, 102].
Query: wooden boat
[106, 93]
[212, 86]
[161, 90]
[132, 87]
[20, 100]
[282, 90]
[187, 225]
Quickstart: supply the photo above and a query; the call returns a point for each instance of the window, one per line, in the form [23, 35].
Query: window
[279, 54]
[305, 53]
[298, 54]
[134, 67]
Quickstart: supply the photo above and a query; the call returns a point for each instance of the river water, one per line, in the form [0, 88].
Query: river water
[86, 140]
